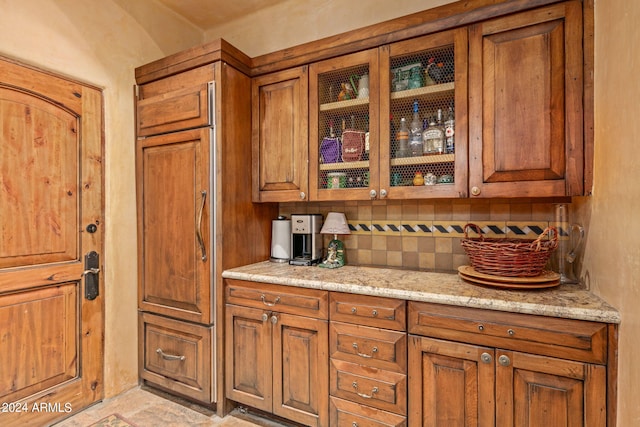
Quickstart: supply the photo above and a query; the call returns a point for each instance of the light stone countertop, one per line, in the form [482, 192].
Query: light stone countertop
[566, 301]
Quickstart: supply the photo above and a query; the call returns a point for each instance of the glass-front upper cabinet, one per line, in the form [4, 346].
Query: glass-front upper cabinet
[423, 117]
[391, 122]
[343, 127]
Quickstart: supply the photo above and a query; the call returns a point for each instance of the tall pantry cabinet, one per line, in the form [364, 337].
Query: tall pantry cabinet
[195, 215]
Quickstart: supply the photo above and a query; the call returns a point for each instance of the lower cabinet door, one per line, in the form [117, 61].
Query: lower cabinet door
[450, 384]
[300, 369]
[176, 356]
[349, 414]
[248, 356]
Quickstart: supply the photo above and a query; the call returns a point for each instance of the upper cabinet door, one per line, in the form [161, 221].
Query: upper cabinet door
[279, 141]
[424, 82]
[343, 127]
[525, 104]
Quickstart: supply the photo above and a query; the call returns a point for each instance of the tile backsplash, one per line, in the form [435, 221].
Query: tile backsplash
[426, 234]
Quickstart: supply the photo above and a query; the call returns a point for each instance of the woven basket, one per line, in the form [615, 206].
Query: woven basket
[509, 257]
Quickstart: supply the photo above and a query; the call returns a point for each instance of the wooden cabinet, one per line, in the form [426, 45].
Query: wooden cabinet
[279, 140]
[398, 76]
[477, 367]
[194, 211]
[368, 362]
[525, 110]
[512, 79]
[175, 210]
[276, 350]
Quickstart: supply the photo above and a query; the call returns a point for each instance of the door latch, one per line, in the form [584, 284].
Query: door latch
[90, 275]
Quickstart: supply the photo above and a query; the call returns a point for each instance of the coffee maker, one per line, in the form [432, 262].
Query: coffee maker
[306, 240]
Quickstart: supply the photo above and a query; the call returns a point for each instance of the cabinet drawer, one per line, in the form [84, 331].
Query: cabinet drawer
[549, 336]
[368, 310]
[176, 355]
[283, 299]
[178, 102]
[375, 347]
[374, 387]
[349, 414]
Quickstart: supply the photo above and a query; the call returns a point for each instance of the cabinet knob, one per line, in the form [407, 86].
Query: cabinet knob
[383, 193]
[486, 358]
[504, 360]
[265, 317]
[274, 319]
[511, 332]
[372, 194]
[302, 195]
[475, 191]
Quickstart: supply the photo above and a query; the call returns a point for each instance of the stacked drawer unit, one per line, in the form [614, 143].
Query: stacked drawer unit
[368, 365]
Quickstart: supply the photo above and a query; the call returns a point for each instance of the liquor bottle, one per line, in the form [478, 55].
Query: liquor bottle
[426, 148]
[366, 139]
[393, 143]
[449, 131]
[402, 136]
[433, 138]
[415, 135]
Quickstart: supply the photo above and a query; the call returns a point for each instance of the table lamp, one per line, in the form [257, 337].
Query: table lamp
[335, 223]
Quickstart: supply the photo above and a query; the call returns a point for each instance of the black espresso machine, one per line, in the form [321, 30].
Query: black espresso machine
[306, 240]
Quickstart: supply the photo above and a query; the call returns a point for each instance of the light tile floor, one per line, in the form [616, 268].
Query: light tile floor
[145, 407]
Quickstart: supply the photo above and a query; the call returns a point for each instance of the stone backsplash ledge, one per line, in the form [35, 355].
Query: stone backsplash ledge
[426, 234]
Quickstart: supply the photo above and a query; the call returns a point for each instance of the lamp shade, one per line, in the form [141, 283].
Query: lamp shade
[336, 223]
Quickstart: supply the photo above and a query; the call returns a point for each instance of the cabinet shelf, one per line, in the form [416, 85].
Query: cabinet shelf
[422, 91]
[423, 160]
[341, 105]
[362, 164]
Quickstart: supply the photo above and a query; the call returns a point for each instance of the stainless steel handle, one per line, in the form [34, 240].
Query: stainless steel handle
[504, 360]
[368, 356]
[269, 304]
[372, 194]
[486, 358]
[166, 356]
[383, 193]
[199, 226]
[265, 317]
[274, 319]
[374, 390]
[302, 195]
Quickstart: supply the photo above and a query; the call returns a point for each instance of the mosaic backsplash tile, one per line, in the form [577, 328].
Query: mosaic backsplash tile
[426, 234]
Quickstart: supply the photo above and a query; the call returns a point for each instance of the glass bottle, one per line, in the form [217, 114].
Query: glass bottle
[402, 137]
[367, 147]
[449, 131]
[415, 136]
[434, 138]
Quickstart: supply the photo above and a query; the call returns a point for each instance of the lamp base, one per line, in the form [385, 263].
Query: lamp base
[335, 255]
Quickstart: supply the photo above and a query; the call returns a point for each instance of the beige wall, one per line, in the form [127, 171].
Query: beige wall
[96, 41]
[102, 41]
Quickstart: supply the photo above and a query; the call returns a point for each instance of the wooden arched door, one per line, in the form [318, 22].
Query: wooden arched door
[51, 240]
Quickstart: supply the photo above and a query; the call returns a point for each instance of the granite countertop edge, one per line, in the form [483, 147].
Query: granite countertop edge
[564, 301]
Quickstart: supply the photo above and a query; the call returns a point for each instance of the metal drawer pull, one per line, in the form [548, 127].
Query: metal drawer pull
[366, 396]
[269, 304]
[199, 226]
[354, 310]
[511, 332]
[375, 313]
[373, 350]
[354, 424]
[166, 356]
[486, 358]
